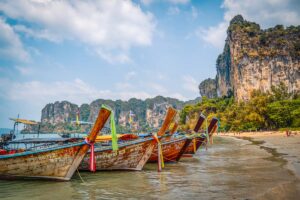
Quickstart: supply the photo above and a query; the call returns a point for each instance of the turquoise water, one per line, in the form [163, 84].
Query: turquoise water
[230, 169]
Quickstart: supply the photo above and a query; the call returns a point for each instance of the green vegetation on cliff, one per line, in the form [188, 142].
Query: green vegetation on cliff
[272, 110]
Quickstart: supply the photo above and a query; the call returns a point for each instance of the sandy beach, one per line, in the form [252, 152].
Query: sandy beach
[278, 144]
[287, 147]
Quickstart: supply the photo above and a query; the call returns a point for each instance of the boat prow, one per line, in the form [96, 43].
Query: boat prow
[57, 162]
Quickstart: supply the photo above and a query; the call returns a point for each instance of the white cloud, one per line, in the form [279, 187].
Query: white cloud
[112, 57]
[178, 1]
[24, 70]
[190, 84]
[11, 45]
[148, 2]
[267, 13]
[108, 25]
[158, 88]
[214, 35]
[39, 93]
[173, 10]
[76, 91]
[41, 34]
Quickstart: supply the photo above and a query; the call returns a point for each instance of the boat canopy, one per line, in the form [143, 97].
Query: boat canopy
[24, 121]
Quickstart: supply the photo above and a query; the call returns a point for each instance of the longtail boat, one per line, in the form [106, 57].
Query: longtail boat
[172, 147]
[198, 140]
[57, 162]
[131, 155]
[172, 150]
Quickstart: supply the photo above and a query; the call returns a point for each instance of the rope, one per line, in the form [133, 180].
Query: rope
[80, 176]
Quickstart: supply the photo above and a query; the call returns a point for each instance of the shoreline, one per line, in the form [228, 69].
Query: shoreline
[284, 149]
[275, 142]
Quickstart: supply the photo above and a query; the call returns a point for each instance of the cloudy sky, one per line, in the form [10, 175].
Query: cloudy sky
[83, 50]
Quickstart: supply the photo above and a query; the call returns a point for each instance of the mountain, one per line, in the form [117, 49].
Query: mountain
[145, 114]
[256, 59]
[208, 88]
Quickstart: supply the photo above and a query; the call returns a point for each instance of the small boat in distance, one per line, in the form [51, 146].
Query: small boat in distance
[56, 162]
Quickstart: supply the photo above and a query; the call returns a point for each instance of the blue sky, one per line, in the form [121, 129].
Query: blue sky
[83, 50]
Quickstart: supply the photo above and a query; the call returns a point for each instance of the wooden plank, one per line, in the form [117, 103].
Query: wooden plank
[171, 113]
[132, 156]
[171, 150]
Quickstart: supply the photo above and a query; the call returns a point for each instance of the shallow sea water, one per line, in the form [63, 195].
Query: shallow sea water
[229, 169]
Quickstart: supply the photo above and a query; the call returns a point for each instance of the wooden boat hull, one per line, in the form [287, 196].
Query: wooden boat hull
[131, 155]
[192, 148]
[172, 149]
[57, 163]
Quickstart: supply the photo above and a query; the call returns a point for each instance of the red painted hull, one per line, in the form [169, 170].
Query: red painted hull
[172, 149]
[131, 155]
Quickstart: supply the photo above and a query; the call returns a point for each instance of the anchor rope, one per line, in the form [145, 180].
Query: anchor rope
[80, 176]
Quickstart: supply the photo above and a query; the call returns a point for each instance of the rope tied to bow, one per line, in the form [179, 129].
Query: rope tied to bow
[92, 163]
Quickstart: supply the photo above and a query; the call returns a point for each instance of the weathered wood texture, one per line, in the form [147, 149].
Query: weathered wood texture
[172, 150]
[131, 156]
[174, 128]
[51, 163]
[199, 123]
[191, 149]
[171, 113]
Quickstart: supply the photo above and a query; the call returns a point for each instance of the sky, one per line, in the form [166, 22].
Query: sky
[54, 50]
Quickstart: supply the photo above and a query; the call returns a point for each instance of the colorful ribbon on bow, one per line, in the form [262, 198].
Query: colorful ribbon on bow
[92, 155]
[194, 145]
[160, 156]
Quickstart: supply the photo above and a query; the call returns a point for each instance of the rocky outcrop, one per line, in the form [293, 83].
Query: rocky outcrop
[256, 59]
[136, 113]
[59, 112]
[208, 88]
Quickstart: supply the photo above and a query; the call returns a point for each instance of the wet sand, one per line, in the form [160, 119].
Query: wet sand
[287, 147]
[279, 144]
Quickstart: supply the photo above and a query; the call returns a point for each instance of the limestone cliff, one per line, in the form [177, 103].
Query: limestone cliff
[208, 88]
[134, 113]
[256, 59]
[59, 112]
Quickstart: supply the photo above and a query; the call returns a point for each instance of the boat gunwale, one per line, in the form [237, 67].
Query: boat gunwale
[174, 140]
[105, 148]
[25, 153]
